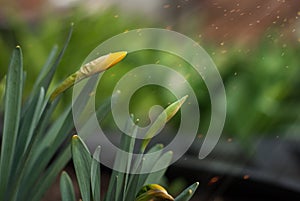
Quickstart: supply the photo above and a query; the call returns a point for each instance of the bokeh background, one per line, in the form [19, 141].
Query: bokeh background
[255, 45]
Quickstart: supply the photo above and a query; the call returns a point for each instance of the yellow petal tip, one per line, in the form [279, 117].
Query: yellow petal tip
[116, 57]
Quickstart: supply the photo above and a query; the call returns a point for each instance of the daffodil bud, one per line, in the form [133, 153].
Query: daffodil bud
[96, 66]
[153, 192]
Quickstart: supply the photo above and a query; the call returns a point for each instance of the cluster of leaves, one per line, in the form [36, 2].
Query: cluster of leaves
[28, 143]
[128, 176]
[30, 160]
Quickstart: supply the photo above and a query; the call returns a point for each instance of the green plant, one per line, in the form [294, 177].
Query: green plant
[139, 185]
[30, 140]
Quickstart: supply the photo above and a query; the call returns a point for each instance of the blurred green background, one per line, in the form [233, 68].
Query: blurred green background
[254, 44]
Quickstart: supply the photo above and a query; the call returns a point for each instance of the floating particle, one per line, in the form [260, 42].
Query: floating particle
[92, 93]
[235, 73]
[246, 177]
[222, 43]
[257, 21]
[116, 16]
[213, 180]
[169, 27]
[167, 6]
[200, 136]
[178, 6]
[229, 140]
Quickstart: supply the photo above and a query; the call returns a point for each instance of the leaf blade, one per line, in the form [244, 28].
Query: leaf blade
[82, 163]
[187, 193]
[13, 96]
[95, 175]
[66, 188]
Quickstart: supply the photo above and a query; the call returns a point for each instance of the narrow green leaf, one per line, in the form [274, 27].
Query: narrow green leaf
[82, 163]
[128, 155]
[51, 143]
[66, 188]
[47, 68]
[142, 166]
[50, 174]
[20, 188]
[36, 116]
[47, 80]
[96, 175]
[38, 83]
[30, 156]
[187, 193]
[161, 120]
[161, 165]
[28, 125]
[13, 96]
[62, 159]
[120, 163]
[148, 162]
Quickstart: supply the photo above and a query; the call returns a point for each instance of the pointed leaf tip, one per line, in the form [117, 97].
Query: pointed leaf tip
[74, 137]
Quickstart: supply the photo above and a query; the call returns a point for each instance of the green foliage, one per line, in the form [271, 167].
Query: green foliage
[27, 146]
[129, 176]
[29, 162]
